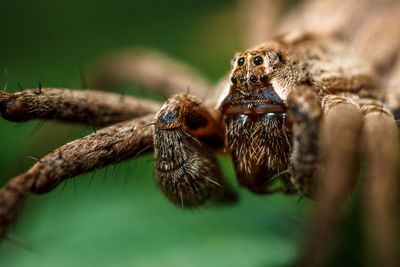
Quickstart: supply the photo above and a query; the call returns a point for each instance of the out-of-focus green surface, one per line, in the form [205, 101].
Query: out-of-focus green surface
[120, 218]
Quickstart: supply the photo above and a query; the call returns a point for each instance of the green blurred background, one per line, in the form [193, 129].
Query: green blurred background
[120, 218]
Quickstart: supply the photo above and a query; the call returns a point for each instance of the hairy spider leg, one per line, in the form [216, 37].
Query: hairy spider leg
[89, 107]
[186, 169]
[347, 120]
[150, 69]
[305, 115]
[339, 136]
[107, 146]
[380, 190]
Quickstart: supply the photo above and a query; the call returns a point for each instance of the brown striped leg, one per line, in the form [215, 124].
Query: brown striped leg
[381, 189]
[332, 17]
[305, 114]
[376, 38]
[150, 69]
[317, 16]
[86, 106]
[371, 26]
[107, 146]
[339, 139]
[259, 28]
[186, 169]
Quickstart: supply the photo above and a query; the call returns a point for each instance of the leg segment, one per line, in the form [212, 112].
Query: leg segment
[305, 114]
[259, 28]
[381, 188]
[393, 89]
[185, 168]
[339, 138]
[151, 69]
[87, 106]
[97, 150]
[12, 197]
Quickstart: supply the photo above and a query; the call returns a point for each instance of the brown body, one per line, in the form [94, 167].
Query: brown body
[278, 91]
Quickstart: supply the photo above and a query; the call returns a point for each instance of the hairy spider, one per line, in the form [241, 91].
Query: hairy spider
[292, 110]
[294, 115]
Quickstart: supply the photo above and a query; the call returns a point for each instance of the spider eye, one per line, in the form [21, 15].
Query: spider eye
[258, 60]
[241, 61]
[233, 80]
[279, 57]
[264, 78]
[253, 79]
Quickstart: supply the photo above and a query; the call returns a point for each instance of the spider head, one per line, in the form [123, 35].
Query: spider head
[254, 69]
[253, 82]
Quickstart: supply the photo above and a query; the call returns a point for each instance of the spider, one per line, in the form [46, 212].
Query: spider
[290, 115]
[318, 158]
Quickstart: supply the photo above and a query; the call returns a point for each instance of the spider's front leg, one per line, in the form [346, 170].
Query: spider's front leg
[104, 147]
[305, 114]
[92, 152]
[381, 186]
[185, 168]
[325, 138]
[324, 161]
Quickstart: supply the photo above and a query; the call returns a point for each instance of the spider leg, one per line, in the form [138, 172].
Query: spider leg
[393, 90]
[259, 28]
[305, 114]
[186, 169]
[381, 186]
[332, 175]
[85, 106]
[151, 69]
[106, 146]
[339, 138]
[374, 38]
